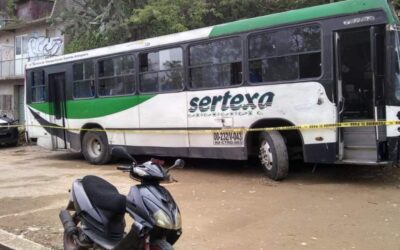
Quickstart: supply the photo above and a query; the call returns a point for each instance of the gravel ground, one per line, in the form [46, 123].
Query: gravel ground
[224, 204]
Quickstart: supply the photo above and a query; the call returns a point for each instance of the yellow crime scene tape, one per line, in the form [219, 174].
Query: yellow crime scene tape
[210, 131]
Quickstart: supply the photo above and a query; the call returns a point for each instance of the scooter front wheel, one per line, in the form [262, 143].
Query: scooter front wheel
[70, 244]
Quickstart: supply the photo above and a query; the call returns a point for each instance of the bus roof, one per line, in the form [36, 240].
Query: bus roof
[288, 17]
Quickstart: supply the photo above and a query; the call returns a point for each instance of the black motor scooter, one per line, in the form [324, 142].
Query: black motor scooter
[98, 210]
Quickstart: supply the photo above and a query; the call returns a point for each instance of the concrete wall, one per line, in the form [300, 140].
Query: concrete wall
[39, 46]
[7, 40]
[43, 41]
[33, 9]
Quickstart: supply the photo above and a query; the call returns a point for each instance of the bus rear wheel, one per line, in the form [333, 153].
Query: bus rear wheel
[95, 148]
[274, 155]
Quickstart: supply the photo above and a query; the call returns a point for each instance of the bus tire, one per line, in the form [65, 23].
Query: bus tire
[95, 148]
[274, 155]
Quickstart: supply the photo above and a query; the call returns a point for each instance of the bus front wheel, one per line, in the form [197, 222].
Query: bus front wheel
[274, 155]
[95, 148]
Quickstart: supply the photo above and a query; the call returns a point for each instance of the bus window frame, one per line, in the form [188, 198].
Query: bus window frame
[97, 78]
[263, 31]
[205, 41]
[158, 49]
[94, 80]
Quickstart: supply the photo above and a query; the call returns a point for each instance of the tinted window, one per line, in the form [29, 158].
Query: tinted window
[37, 78]
[161, 71]
[284, 55]
[284, 42]
[161, 60]
[310, 65]
[117, 76]
[38, 86]
[216, 64]
[83, 86]
[106, 68]
[274, 69]
[223, 51]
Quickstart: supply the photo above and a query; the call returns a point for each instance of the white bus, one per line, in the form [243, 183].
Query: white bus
[162, 96]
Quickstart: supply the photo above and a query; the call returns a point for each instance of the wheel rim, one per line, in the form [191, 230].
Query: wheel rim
[266, 157]
[94, 147]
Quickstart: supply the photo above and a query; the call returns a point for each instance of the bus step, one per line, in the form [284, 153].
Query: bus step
[361, 147]
[359, 137]
[360, 153]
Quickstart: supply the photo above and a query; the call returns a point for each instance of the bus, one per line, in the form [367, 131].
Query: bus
[200, 93]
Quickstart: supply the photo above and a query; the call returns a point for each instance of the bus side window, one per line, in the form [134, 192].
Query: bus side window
[39, 89]
[117, 76]
[83, 79]
[161, 71]
[216, 64]
[284, 55]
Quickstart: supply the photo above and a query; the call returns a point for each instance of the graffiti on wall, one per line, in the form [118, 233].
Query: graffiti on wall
[44, 46]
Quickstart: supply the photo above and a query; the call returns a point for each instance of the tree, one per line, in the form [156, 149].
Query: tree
[7, 8]
[160, 17]
[169, 16]
[396, 4]
[95, 23]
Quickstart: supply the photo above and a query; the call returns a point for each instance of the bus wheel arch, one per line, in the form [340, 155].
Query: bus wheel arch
[289, 145]
[94, 144]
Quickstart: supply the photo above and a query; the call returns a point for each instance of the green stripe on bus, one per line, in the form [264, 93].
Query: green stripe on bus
[42, 107]
[94, 108]
[339, 8]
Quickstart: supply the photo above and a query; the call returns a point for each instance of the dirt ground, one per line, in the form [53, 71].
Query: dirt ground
[224, 204]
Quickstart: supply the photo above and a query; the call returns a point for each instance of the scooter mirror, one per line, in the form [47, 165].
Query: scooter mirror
[179, 163]
[121, 152]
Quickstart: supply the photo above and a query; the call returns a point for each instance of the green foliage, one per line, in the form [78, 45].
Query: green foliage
[86, 41]
[10, 8]
[396, 4]
[169, 16]
[95, 23]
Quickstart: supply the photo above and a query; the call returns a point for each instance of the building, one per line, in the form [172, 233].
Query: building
[26, 37]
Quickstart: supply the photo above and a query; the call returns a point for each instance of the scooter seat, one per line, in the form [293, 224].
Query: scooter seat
[104, 195]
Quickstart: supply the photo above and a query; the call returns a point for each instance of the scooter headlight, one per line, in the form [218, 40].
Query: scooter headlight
[162, 220]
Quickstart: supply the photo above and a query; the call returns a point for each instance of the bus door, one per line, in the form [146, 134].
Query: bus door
[57, 100]
[359, 73]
